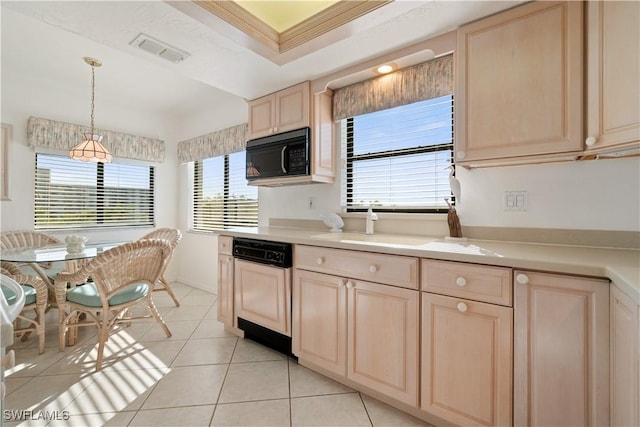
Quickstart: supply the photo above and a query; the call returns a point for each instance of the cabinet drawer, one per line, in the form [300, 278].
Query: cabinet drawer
[475, 282]
[388, 269]
[225, 245]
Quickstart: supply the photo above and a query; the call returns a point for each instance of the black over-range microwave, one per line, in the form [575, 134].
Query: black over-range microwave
[278, 156]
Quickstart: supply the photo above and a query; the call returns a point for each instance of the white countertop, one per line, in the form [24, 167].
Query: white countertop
[621, 266]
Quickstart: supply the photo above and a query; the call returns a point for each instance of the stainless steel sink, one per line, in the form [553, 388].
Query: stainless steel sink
[375, 239]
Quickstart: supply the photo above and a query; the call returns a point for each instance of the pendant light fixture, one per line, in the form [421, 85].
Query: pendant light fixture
[90, 149]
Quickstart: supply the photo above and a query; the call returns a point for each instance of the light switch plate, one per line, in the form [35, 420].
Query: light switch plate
[516, 201]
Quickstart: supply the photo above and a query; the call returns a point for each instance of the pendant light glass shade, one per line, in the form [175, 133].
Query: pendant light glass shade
[91, 150]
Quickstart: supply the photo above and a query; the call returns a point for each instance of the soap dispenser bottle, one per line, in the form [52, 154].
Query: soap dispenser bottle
[371, 216]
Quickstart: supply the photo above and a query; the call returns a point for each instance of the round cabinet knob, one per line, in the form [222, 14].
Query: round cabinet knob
[349, 284]
[590, 141]
[460, 155]
[320, 260]
[461, 281]
[462, 307]
[342, 282]
[373, 268]
[523, 279]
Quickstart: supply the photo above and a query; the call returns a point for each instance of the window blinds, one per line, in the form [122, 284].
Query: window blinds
[73, 194]
[221, 198]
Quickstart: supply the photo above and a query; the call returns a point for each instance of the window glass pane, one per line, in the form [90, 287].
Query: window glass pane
[74, 194]
[397, 159]
[222, 198]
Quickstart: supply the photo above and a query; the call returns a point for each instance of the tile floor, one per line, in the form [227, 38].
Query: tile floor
[201, 376]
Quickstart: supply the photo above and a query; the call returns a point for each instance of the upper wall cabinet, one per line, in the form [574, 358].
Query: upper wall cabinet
[520, 85]
[285, 110]
[613, 76]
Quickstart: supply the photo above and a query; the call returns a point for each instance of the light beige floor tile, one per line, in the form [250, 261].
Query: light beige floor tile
[110, 419]
[248, 414]
[305, 382]
[47, 392]
[180, 330]
[14, 383]
[186, 313]
[200, 298]
[331, 410]
[29, 363]
[210, 328]
[206, 352]
[250, 351]
[149, 355]
[135, 331]
[115, 391]
[163, 299]
[188, 416]
[212, 313]
[256, 381]
[382, 414]
[187, 386]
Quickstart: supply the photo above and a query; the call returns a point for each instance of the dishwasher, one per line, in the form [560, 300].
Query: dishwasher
[262, 291]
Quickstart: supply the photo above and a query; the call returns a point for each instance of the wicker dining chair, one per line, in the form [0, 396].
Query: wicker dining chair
[123, 278]
[36, 293]
[173, 236]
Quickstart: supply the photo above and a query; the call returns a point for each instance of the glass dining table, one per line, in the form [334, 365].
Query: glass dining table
[34, 257]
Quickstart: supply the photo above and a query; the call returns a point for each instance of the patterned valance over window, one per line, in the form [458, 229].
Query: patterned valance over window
[63, 136]
[428, 80]
[219, 143]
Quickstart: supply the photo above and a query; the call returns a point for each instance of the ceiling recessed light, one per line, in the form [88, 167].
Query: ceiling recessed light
[385, 69]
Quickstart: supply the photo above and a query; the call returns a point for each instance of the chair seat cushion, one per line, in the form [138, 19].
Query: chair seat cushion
[29, 295]
[87, 294]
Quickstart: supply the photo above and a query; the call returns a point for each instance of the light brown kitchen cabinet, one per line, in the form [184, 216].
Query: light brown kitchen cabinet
[339, 322]
[625, 359]
[561, 349]
[281, 111]
[291, 109]
[520, 85]
[613, 70]
[225, 282]
[466, 360]
[467, 339]
[263, 295]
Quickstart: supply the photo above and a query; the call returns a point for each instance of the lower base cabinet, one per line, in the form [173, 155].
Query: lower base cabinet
[625, 359]
[561, 348]
[366, 332]
[466, 360]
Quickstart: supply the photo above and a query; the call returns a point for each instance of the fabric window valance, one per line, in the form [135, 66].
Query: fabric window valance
[214, 144]
[428, 80]
[63, 136]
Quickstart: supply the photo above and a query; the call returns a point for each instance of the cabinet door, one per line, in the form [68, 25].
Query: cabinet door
[263, 295]
[225, 290]
[292, 108]
[625, 360]
[383, 339]
[613, 67]
[519, 83]
[466, 360]
[262, 116]
[319, 320]
[561, 347]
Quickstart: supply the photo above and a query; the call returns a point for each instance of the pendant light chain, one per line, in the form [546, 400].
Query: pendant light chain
[93, 94]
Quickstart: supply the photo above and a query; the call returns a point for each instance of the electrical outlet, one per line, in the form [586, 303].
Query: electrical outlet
[516, 201]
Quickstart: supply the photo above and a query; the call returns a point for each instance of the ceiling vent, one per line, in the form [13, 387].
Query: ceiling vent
[158, 48]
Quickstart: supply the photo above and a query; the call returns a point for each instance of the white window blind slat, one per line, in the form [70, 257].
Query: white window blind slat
[73, 194]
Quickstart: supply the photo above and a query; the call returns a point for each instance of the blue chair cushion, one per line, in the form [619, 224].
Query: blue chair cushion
[87, 294]
[29, 295]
